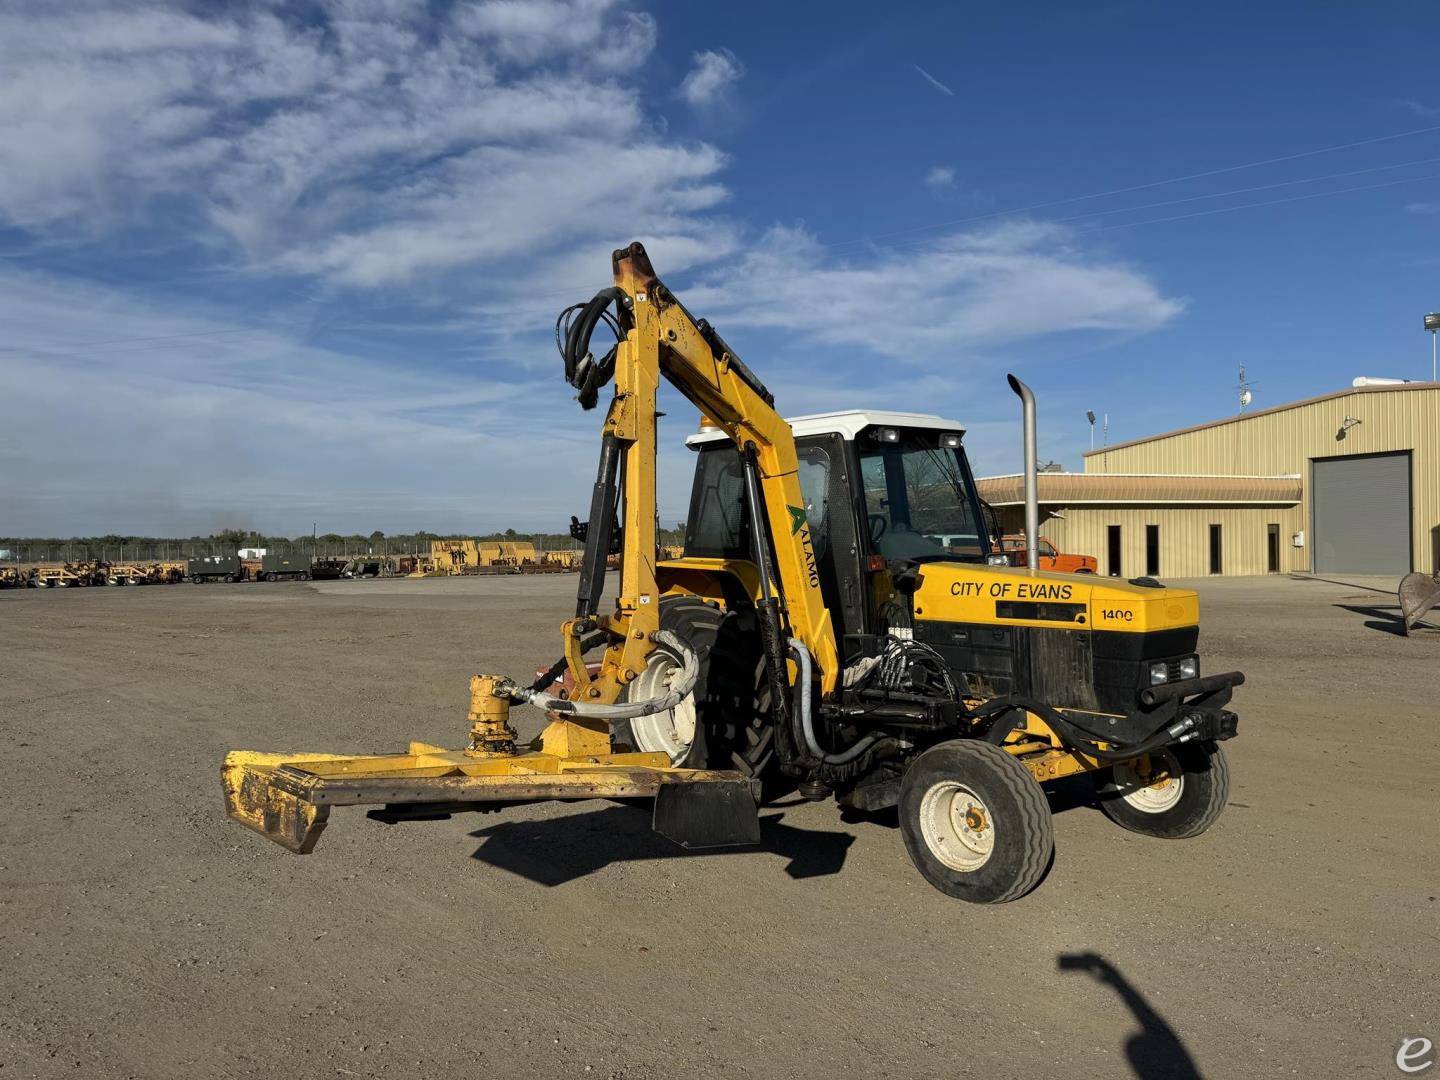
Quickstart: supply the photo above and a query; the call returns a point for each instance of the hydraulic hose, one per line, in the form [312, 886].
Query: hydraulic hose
[807, 722]
[681, 685]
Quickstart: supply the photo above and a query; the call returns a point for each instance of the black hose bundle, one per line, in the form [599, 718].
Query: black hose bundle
[573, 330]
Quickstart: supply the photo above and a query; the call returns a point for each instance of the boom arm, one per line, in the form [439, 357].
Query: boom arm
[662, 338]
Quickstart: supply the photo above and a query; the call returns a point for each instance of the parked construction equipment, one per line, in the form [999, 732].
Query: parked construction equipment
[204, 568]
[815, 628]
[277, 567]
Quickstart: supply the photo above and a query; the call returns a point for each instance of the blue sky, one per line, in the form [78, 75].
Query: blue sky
[265, 265]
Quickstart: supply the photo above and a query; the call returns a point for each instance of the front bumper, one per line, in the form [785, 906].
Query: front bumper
[1189, 708]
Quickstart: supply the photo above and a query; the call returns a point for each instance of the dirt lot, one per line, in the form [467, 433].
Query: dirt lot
[142, 935]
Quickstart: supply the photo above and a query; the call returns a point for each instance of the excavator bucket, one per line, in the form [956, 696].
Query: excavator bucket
[1418, 594]
[287, 797]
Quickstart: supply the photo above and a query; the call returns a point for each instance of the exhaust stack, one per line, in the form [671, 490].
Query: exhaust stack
[1032, 483]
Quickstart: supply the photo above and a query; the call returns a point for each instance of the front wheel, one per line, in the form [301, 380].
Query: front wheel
[1173, 793]
[975, 822]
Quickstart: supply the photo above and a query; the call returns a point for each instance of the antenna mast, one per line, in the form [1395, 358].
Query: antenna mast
[1245, 387]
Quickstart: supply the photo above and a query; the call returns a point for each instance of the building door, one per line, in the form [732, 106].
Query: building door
[1360, 513]
[1272, 549]
[1217, 560]
[1112, 550]
[1152, 550]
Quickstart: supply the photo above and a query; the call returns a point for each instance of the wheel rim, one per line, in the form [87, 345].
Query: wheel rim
[671, 732]
[1152, 784]
[957, 826]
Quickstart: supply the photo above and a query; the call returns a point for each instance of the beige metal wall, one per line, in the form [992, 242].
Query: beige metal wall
[1287, 440]
[1184, 537]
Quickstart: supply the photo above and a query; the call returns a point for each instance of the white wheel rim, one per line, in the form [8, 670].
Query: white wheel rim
[957, 826]
[671, 732]
[1151, 785]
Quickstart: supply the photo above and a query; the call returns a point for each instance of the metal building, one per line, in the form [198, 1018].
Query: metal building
[1347, 482]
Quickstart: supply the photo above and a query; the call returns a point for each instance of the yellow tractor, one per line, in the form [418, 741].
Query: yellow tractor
[839, 619]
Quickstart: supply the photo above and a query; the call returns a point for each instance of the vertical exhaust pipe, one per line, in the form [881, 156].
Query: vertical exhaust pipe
[1032, 483]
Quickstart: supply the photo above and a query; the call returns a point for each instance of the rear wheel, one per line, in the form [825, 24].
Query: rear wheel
[1173, 793]
[724, 722]
[975, 822]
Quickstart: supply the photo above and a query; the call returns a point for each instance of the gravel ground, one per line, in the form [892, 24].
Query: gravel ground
[142, 935]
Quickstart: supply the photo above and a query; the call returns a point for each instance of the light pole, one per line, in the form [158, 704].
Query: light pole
[1090, 415]
[1432, 323]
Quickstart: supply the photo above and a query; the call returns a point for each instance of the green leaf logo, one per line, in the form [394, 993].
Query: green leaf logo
[797, 518]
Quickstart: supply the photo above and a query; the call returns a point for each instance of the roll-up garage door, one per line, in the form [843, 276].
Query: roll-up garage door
[1362, 514]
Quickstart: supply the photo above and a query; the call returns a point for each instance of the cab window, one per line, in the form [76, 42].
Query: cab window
[718, 526]
[919, 500]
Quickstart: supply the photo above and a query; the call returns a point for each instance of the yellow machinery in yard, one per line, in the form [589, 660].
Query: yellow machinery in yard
[455, 556]
[837, 618]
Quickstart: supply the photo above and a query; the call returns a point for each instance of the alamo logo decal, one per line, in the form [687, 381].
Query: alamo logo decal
[797, 518]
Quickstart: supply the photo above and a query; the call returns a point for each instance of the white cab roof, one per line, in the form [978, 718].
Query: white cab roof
[848, 423]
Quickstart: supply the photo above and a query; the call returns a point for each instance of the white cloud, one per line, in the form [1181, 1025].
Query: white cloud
[463, 170]
[710, 79]
[940, 178]
[179, 420]
[530, 31]
[934, 302]
[384, 144]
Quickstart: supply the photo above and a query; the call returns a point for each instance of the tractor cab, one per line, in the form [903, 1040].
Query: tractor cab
[884, 491]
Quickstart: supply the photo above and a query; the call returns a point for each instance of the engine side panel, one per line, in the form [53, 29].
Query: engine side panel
[1073, 641]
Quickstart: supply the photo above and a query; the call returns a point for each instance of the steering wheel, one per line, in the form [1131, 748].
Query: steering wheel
[878, 524]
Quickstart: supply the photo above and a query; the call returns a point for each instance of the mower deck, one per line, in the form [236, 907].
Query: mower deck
[287, 797]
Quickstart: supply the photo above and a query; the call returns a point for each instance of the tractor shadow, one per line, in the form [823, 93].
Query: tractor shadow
[1385, 619]
[553, 851]
[1156, 1051]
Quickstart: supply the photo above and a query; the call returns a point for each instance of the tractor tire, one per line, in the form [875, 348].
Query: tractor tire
[229, 579]
[975, 822]
[1182, 804]
[304, 575]
[725, 722]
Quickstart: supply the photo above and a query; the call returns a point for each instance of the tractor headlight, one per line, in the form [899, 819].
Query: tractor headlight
[1190, 667]
[1159, 673]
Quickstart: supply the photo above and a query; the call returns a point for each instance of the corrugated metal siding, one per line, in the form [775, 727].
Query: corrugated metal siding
[1184, 537]
[1286, 441]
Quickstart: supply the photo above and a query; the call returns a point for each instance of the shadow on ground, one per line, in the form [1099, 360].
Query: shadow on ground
[1156, 1051]
[552, 851]
[1386, 619]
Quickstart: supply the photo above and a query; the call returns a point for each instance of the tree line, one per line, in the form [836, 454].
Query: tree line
[116, 548]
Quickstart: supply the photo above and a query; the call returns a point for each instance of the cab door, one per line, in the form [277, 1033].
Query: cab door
[829, 488]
